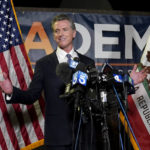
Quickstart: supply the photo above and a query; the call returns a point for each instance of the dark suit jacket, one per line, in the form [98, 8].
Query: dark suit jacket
[58, 114]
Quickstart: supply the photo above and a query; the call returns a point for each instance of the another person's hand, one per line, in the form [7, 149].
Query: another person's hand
[6, 85]
[138, 77]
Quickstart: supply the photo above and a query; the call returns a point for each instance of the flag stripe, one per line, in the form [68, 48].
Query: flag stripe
[16, 106]
[4, 113]
[8, 141]
[141, 101]
[22, 65]
[35, 122]
[17, 68]
[26, 116]
[2, 140]
[9, 127]
[26, 60]
[31, 110]
[14, 80]
[138, 126]
[38, 110]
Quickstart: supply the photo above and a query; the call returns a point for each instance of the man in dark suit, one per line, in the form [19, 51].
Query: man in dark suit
[58, 114]
[58, 119]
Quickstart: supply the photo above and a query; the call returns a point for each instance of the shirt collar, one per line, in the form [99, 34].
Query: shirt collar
[61, 54]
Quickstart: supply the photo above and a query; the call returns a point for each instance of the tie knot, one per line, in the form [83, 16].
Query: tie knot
[69, 57]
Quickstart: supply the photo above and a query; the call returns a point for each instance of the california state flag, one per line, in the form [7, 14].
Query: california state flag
[139, 105]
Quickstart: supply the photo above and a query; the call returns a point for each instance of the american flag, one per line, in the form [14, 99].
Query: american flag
[20, 125]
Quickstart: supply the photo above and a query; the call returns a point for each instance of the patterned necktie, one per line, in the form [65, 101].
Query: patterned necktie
[69, 58]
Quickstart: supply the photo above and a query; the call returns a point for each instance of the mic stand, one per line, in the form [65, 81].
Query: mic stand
[77, 109]
[79, 91]
[105, 133]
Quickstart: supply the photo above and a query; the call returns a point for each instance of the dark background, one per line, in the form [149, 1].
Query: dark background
[123, 5]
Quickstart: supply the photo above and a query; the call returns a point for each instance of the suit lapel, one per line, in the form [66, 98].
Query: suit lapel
[53, 60]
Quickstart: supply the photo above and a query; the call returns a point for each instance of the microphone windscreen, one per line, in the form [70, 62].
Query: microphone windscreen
[76, 59]
[82, 67]
[64, 72]
[106, 68]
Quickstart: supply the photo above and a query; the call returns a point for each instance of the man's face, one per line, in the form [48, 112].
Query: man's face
[64, 34]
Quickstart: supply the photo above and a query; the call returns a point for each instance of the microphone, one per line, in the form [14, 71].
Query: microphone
[73, 63]
[82, 67]
[79, 68]
[107, 74]
[79, 77]
[106, 68]
[113, 76]
[64, 72]
[118, 78]
[127, 80]
[76, 59]
[79, 82]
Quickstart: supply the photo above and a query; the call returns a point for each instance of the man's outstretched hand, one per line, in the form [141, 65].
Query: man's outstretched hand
[138, 77]
[5, 84]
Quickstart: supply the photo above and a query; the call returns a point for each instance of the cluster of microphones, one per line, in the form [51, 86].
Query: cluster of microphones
[75, 73]
[81, 78]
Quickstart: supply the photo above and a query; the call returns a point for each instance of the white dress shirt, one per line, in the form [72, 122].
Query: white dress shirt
[61, 55]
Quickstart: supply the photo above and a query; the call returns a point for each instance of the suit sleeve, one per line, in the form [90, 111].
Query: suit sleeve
[32, 94]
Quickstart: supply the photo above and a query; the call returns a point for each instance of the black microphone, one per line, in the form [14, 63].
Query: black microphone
[64, 72]
[73, 63]
[79, 82]
[106, 68]
[128, 81]
[76, 59]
